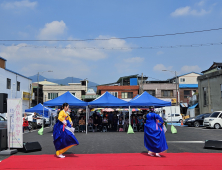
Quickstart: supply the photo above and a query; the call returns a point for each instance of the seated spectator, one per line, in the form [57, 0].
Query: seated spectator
[110, 120]
[126, 124]
[115, 121]
[120, 124]
[134, 121]
[140, 122]
[82, 125]
[97, 124]
[90, 121]
[105, 122]
[75, 121]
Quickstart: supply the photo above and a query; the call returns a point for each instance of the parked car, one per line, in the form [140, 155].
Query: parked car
[214, 120]
[196, 121]
[3, 123]
[175, 117]
[39, 119]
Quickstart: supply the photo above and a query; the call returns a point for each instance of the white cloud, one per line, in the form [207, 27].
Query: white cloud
[201, 3]
[187, 69]
[160, 53]
[65, 62]
[19, 4]
[52, 30]
[188, 11]
[160, 67]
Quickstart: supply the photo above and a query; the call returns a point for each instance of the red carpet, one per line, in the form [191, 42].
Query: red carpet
[134, 161]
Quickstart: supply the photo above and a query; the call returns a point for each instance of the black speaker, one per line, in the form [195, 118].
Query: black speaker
[3, 139]
[213, 144]
[3, 102]
[31, 146]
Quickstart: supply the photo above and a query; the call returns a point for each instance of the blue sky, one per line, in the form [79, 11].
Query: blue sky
[72, 19]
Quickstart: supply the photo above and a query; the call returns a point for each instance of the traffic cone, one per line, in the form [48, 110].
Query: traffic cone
[181, 122]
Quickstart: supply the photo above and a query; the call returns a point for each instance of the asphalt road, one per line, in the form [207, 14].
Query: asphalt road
[187, 139]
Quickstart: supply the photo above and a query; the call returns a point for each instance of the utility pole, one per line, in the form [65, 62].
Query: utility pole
[141, 85]
[38, 90]
[176, 87]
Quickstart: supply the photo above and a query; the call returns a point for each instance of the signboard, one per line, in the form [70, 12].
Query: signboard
[14, 123]
[26, 96]
[173, 100]
[90, 96]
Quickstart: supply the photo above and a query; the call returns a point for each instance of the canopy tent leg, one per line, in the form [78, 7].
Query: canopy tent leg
[86, 119]
[129, 116]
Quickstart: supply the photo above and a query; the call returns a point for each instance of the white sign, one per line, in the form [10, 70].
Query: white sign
[14, 123]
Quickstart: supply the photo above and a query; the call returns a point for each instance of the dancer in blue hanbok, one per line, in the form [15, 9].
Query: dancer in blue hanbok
[154, 137]
[63, 132]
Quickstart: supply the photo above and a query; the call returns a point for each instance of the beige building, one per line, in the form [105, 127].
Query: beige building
[52, 91]
[162, 90]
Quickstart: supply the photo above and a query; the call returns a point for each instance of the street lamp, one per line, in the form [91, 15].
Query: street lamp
[176, 83]
[38, 85]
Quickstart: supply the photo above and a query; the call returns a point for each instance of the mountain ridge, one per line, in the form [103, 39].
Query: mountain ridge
[64, 81]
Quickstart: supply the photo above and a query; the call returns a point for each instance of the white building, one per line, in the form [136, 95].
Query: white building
[51, 91]
[15, 85]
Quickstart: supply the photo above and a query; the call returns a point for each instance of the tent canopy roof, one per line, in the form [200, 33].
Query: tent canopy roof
[39, 109]
[146, 100]
[66, 98]
[108, 100]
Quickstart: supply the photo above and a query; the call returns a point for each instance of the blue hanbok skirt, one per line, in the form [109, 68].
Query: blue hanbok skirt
[154, 138]
[63, 138]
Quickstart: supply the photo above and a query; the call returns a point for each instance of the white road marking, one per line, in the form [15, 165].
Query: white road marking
[36, 130]
[185, 141]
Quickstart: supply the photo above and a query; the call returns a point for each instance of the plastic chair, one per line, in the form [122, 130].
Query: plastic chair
[140, 128]
[134, 128]
[77, 129]
[104, 129]
[90, 128]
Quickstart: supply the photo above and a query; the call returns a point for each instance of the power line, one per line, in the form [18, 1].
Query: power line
[123, 38]
[116, 48]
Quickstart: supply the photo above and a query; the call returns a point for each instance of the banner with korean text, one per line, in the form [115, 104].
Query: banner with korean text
[14, 123]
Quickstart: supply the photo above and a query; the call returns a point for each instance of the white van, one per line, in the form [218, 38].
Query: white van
[214, 120]
[175, 117]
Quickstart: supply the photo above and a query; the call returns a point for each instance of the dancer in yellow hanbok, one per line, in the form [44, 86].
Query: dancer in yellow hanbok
[63, 132]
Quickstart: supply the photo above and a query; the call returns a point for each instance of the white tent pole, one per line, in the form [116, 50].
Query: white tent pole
[43, 120]
[86, 119]
[129, 116]
[171, 115]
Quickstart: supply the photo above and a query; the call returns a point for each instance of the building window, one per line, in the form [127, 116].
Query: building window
[114, 94]
[8, 83]
[151, 92]
[18, 86]
[167, 93]
[205, 95]
[182, 79]
[52, 95]
[127, 95]
[186, 93]
[74, 94]
[221, 90]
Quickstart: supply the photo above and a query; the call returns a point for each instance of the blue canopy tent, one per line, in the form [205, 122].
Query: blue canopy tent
[135, 97]
[69, 98]
[108, 100]
[146, 100]
[39, 109]
[66, 98]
